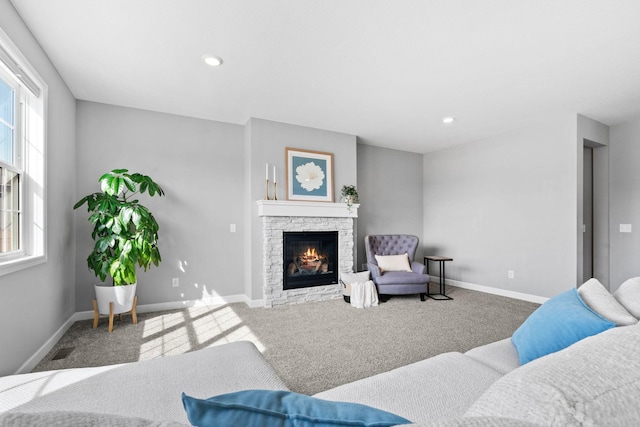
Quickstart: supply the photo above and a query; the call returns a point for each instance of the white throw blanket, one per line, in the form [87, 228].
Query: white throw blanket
[364, 295]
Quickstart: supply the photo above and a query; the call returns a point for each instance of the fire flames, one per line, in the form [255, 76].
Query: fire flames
[310, 255]
[309, 261]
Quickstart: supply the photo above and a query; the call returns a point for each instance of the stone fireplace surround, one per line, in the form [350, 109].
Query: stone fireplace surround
[280, 216]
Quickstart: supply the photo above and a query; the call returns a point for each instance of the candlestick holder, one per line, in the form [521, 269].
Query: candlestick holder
[266, 197]
[275, 191]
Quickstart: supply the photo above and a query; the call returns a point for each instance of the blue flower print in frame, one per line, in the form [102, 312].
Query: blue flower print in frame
[309, 175]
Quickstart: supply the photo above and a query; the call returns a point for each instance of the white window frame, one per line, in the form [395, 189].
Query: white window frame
[30, 156]
[16, 164]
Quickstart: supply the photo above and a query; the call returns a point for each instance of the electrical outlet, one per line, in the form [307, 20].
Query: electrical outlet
[625, 228]
[175, 282]
[232, 228]
[511, 274]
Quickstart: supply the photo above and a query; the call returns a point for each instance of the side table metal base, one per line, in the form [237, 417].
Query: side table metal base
[442, 296]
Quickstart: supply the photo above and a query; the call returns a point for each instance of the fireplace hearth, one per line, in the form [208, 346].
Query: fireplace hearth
[280, 217]
[310, 258]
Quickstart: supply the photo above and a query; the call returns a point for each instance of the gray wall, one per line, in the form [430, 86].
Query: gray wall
[37, 301]
[624, 151]
[199, 164]
[507, 203]
[265, 141]
[390, 191]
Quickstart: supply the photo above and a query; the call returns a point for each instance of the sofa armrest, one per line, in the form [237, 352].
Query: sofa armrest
[418, 267]
[374, 269]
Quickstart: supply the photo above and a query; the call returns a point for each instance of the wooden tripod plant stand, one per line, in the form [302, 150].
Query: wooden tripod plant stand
[96, 314]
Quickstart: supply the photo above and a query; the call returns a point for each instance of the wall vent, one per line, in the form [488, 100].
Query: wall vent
[62, 353]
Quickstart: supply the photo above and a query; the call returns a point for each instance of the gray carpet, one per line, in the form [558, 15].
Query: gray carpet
[312, 346]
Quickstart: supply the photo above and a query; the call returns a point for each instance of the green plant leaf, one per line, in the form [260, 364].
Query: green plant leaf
[105, 183]
[136, 217]
[103, 244]
[105, 176]
[125, 214]
[116, 227]
[81, 202]
[131, 186]
[125, 232]
[117, 185]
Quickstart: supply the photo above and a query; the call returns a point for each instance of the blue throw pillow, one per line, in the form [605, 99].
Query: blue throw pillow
[556, 324]
[282, 408]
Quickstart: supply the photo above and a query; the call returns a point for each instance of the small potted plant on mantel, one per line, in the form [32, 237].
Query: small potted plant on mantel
[349, 195]
[125, 234]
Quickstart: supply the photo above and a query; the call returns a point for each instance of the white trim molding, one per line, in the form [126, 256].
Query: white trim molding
[313, 209]
[494, 291]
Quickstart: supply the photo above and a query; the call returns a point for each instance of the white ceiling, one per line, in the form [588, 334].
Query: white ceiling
[386, 71]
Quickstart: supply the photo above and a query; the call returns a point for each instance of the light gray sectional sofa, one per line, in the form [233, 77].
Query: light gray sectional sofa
[595, 381]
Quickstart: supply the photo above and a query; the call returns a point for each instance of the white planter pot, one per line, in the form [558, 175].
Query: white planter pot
[121, 296]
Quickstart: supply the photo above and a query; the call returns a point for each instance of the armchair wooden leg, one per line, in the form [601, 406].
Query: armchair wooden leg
[134, 313]
[110, 316]
[423, 297]
[96, 315]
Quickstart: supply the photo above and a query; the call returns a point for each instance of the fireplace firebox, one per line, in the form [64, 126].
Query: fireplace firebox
[310, 259]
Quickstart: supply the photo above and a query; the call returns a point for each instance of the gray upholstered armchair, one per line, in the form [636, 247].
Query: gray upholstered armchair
[406, 282]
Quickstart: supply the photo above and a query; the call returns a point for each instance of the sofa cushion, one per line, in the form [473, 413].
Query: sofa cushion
[476, 422]
[216, 370]
[628, 294]
[393, 262]
[556, 324]
[598, 298]
[282, 408]
[79, 419]
[439, 387]
[401, 278]
[594, 382]
[500, 355]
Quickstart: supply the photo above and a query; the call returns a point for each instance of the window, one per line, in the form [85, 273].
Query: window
[22, 137]
[9, 175]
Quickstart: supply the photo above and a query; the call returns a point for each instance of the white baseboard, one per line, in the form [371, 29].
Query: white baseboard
[489, 290]
[31, 362]
[176, 305]
[255, 303]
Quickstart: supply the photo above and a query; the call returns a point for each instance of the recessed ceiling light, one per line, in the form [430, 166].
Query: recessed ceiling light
[448, 120]
[214, 61]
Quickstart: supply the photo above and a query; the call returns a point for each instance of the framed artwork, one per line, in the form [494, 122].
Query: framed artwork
[309, 175]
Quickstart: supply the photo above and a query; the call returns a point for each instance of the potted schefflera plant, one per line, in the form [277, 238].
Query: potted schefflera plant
[126, 237]
[349, 195]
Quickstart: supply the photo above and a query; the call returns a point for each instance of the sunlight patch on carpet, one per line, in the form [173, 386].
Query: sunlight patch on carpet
[211, 326]
[192, 329]
[158, 324]
[167, 344]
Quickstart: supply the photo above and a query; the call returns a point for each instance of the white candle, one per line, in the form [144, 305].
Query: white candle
[266, 171]
[274, 174]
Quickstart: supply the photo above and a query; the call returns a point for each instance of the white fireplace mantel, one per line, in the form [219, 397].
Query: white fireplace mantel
[312, 209]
